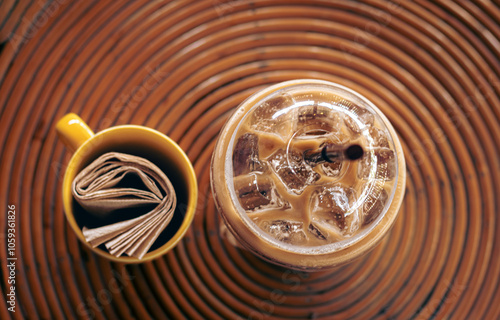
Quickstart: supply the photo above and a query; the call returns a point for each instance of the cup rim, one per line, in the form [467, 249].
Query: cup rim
[191, 183]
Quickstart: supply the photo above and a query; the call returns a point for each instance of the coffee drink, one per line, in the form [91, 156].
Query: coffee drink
[283, 199]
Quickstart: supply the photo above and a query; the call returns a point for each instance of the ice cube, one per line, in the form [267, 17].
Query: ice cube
[246, 155]
[383, 161]
[286, 231]
[314, 120]
[316, 232]
[374, 204]
[270, 116]
[257, 191]
[292, 170]
[379, 136]
[335, 208]
[332, 169]
[339, 137]
[361, 119]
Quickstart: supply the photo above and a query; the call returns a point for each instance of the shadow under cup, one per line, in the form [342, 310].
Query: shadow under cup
[153, 146]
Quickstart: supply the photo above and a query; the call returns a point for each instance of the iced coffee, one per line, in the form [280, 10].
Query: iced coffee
[283, 199]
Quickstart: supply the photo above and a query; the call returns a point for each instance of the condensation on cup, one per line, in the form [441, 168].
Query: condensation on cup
[290, 208]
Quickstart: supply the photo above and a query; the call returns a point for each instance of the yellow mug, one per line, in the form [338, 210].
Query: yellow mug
[140, 141]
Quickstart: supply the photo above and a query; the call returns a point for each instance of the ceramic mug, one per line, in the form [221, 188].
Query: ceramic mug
[140, 141]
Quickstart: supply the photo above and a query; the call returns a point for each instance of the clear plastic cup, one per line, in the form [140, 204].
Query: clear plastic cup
[281, 202]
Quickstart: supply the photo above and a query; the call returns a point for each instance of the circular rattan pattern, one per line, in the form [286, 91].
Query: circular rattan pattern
[180, 67]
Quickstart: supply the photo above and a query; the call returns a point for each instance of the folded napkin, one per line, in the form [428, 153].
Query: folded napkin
[98, 190]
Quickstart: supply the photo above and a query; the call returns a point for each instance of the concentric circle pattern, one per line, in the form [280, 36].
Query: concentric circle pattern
[181, 67]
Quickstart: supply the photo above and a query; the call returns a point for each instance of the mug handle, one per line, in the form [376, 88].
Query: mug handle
[73, 131]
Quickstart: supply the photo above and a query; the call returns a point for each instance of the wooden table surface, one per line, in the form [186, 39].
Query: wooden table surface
[180, 67]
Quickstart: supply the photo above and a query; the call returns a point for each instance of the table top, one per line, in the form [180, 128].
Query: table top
[181, 67]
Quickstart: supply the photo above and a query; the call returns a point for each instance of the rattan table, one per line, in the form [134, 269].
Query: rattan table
[181, 67]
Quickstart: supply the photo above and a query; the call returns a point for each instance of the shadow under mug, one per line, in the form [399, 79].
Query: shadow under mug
[140, 141]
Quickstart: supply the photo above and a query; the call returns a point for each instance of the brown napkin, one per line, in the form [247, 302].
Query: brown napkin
[96, 190]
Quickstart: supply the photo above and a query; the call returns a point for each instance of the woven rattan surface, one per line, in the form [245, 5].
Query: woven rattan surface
[180, 67]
